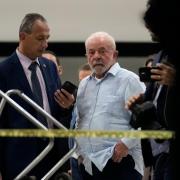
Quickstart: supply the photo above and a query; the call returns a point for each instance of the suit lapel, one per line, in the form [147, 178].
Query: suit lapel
[48, 81]
[19, 76]
[44, 70]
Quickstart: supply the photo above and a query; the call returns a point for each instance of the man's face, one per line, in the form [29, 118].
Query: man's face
[100, 55]
[35, 43]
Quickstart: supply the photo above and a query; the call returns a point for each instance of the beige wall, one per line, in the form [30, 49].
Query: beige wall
[74, 20]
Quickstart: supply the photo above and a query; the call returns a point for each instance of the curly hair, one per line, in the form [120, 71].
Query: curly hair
[162, 19]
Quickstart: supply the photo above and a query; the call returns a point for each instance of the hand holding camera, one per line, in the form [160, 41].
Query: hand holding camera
[149, 74]
[144, 114]
[163, 73]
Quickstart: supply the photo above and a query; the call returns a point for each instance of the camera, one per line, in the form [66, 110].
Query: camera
[69, 87]
[145, 116]
[145, 73]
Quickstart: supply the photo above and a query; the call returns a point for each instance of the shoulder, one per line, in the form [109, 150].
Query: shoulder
[130, 79]
[7, 63]
[127, 74]
[84, 81]
[43, 60]
[47, 63]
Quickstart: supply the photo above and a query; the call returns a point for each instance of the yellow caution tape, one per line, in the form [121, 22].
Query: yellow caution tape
[58, 133]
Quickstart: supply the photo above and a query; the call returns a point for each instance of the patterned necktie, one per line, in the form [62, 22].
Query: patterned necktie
[36, 89]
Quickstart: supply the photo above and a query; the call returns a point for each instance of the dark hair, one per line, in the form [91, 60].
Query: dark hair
[28, 21]
[161, 18]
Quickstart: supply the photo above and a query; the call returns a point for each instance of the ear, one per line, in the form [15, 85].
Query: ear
[22, 35]
[115, 54]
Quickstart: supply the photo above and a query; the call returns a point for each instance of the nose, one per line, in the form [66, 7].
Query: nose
[45, 44]
[97, 54]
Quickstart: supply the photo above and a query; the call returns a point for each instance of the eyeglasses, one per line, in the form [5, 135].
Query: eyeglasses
[101, 51]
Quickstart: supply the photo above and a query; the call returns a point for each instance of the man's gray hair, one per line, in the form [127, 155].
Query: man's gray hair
[28, 22]
[103, 35]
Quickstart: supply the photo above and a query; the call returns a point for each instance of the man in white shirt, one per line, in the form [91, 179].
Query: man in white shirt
[100, 104]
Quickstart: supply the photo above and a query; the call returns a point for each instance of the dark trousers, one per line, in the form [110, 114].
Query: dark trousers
[114, 171]
[162, 167]
[76, 173]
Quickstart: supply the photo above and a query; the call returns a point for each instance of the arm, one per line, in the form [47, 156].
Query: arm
[134, 89]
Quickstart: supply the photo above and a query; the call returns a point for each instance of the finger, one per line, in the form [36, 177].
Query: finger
[66, 93]
[156, 71]
[59, 95]
[156, 77]
[59, 102]
[164, 66]
[130, 102]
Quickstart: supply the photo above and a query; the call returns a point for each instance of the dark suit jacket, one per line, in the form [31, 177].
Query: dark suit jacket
[161, 113]
[17, 153]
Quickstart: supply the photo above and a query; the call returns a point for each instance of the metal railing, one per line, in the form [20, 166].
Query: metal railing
[7, 99]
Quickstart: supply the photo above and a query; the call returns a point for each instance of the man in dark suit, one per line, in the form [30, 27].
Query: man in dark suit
[17, 153]
[164, 90]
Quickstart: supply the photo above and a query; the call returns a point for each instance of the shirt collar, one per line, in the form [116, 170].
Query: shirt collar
[113, 70]
[25, 61]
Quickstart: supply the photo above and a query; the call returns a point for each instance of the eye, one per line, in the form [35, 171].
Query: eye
[42, 38]
[102, 51]
[91, 52]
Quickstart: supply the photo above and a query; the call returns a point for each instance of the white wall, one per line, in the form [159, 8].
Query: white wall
[74, 20]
